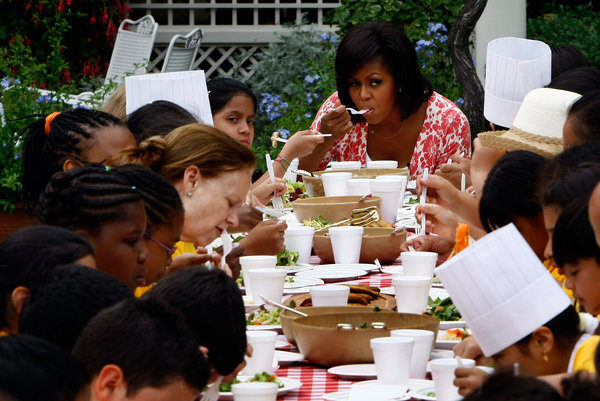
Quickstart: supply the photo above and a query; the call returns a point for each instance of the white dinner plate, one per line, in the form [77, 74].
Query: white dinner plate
[281, 343]
[332, 274]
[299, 282]
[285, 358]
[249, 304]
[393, 270]
[413, 385]
[270, 211]
[361, 371]
[453, 324]
[424, 393]
[444, 344]
[298, 267]
[288, 385]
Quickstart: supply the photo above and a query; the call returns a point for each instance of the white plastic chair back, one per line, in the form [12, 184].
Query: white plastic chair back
[182, 51]
[133, 48]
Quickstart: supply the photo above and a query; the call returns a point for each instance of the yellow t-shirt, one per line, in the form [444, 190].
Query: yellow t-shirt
[560, 278]
[584, 355]
[180, 247]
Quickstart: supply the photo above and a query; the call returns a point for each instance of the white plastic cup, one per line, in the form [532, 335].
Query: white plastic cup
[359, 186]
[255, 262]
[398, 178]
[442, 371]
[418, 263]
[346, 242]
[346, 165]
[263, 351]
[421, 350]
[299, 239]
[267, 282]
[390, 193]
[392, 359]
[254, 391]
[334, 184]
[382, 164]
[411, 293]
[329, 295]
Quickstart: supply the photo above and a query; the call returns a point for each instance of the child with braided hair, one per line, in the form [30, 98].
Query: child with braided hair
[62, 141]
[102, 205]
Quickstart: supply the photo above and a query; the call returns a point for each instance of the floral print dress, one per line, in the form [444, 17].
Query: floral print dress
[445, 132]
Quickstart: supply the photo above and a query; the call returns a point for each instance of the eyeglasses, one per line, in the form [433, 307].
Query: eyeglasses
[170, 249]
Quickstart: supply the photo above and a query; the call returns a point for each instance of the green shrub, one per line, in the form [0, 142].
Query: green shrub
[575, 25]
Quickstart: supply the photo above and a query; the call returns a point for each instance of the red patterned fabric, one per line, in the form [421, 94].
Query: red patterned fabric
[445, 132]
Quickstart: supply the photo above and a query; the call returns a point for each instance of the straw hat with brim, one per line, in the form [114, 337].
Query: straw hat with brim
[538, 124]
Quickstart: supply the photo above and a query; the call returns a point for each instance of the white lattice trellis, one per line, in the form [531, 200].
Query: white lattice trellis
[234, 30]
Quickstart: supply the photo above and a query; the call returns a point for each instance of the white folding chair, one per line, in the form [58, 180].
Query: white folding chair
[133, 48]
[182, 51]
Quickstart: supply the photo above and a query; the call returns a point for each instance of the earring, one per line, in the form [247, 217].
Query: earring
[545, 357]
[189, 194]
[399, 90]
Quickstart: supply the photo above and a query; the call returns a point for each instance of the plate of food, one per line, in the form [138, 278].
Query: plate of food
[414, 386]
[425, 393]
[285, 384]
[447, 339]
[359, 296]
[288, 260]
[263, 319]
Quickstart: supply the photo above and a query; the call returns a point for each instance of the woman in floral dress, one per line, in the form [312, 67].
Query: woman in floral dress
[405, 120]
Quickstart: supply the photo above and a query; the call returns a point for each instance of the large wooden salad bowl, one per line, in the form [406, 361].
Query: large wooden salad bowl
[331, 208]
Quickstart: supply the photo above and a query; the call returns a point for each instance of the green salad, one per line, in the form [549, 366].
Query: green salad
[263, 317]
[259, 377]
[443, 309]
[317, 223]
[287, 258]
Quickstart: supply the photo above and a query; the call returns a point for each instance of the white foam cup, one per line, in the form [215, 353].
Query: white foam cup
[254, 391]
[421, 351]
[346, 242]
[442, 371]
[359, 186]
[329, 295]
[299, 239]
[263, 351]
[255, 262]
[390, 193]
[382, 164]
[268, 283]
[334, 184]
[418, 263]
[346, 165]
[412, 293]
[392, 358]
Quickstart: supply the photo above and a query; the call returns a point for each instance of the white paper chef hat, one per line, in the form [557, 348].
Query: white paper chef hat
[514, 66]
[185, 88]
[501, 289]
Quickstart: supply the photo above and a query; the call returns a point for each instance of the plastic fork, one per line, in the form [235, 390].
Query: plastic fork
[351, 110]
[212, 394]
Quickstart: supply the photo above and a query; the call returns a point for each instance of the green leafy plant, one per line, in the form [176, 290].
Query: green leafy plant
[23, 73]
[575, 25]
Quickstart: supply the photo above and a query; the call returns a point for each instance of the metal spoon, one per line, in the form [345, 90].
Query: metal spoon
[268, 301]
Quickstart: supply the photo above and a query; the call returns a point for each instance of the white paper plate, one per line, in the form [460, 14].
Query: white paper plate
[423, 393]
[300, 281]
[249, 304]
[298, 267]
[281, 343]
[393, 270]
[270, 211]
[453, 324]
[288, 385]
[434, 293]
[285, 358]
[444, 344]
[413, 385]
[332, 274]
[362, 371]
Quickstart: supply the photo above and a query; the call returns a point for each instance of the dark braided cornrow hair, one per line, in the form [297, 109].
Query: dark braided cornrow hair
[44, 154]
[161, 199]
[86, 197]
